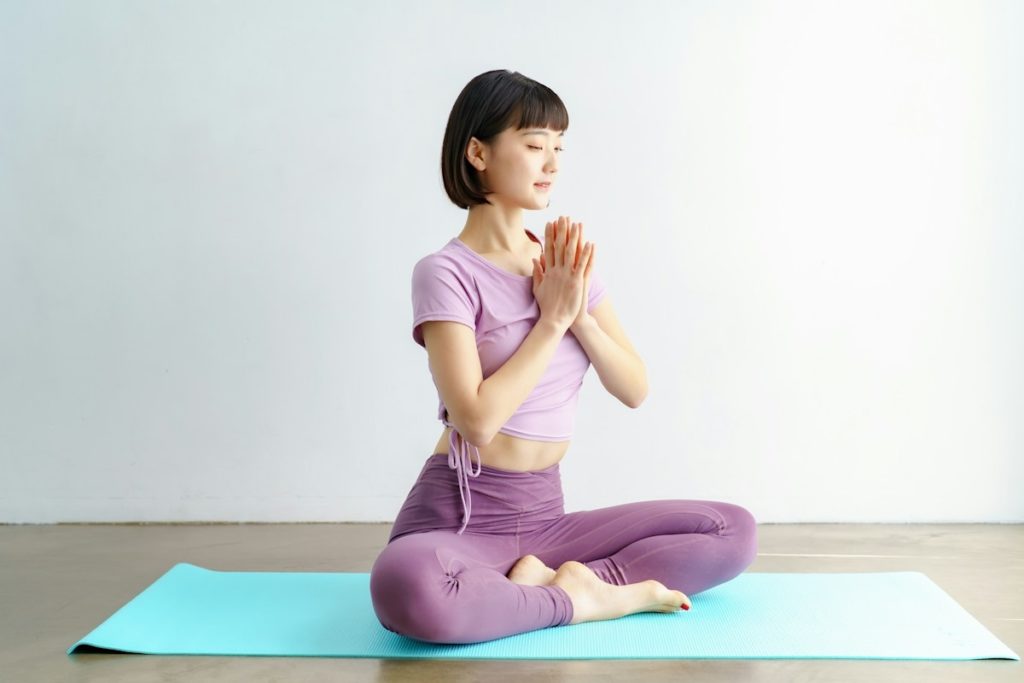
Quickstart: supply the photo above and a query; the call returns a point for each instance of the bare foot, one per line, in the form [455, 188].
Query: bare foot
[596, 600]
[530, 571]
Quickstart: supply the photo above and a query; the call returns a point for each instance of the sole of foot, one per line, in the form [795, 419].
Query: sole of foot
[595, 600]
[531, 571]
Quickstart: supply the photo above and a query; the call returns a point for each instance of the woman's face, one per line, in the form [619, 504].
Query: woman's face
[518, 160]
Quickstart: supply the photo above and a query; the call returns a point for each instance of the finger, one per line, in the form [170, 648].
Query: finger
[560, 242]
[559, 248]
[570, 237]
[577, 255]
[549, 245]
[557, 242]
[570, 248]
[590, 259]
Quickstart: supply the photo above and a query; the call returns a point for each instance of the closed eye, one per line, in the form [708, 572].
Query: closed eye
[560, 149]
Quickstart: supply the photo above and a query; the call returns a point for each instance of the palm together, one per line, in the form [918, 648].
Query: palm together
[561, 227]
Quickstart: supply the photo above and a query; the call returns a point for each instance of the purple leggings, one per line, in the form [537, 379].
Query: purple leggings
[433, 584]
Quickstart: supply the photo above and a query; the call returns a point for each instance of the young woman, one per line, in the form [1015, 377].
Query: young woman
[511, 324]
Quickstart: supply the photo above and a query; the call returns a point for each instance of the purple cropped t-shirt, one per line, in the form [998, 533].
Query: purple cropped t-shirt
[456, 283]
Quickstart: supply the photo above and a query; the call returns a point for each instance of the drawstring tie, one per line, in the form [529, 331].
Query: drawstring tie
[459, 460]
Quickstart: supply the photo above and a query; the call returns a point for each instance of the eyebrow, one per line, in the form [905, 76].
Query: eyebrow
[540, 132]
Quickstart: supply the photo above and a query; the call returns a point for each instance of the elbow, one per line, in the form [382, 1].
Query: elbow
[469, 429]
[638, 400]
[480, 436]
[479, 433]
[483, 440]
[481, 426]
[485, 428]
[642, 395]
[630, 400]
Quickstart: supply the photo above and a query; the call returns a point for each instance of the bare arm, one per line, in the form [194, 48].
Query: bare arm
[477, 407]
[501, 394]
[621, 370]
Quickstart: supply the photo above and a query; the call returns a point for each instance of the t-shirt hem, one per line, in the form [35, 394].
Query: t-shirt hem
[417, 334]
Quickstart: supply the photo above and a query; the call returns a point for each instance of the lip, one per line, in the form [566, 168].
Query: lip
[543, 186]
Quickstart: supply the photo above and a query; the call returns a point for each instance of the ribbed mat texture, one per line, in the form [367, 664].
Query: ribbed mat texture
[757, 615]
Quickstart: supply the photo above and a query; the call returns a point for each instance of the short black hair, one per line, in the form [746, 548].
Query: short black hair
[490, 103]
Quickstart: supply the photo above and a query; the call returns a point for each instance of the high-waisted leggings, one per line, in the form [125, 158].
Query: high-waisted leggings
[433, 584]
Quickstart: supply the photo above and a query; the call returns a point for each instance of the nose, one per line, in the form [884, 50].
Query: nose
[551, 165]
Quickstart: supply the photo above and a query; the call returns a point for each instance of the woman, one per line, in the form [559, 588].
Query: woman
[511, 325]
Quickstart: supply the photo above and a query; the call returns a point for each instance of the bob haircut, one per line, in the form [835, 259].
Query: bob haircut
[490, 103]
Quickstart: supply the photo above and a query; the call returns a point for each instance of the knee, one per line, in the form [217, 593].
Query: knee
[407, 591]
[743, 528]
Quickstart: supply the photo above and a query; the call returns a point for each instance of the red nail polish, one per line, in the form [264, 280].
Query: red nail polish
[685, 606]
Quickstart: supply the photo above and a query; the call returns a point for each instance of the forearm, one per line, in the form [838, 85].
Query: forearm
[502, 393]
[622, 372]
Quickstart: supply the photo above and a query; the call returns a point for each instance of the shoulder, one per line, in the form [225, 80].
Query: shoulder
[442, 275]
[441, 264]
[442, 289]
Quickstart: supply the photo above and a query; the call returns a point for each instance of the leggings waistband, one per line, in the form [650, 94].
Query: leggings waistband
[459, 459]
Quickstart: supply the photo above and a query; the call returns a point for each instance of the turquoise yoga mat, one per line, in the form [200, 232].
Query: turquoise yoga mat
[757, 615]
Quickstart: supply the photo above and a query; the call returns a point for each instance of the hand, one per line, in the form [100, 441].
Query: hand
[584, 317]
[582, 256]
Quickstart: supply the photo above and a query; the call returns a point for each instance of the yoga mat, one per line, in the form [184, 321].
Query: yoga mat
[757, 615]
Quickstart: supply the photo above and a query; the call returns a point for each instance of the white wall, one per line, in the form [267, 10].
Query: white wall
[807, 213]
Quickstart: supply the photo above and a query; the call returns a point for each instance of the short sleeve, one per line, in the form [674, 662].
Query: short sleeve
[438, 293]
[597, 290]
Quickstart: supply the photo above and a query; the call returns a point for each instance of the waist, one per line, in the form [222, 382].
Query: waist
[502, 502]
[513, 453]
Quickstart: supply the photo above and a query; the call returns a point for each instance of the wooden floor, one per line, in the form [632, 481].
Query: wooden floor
[58, 582]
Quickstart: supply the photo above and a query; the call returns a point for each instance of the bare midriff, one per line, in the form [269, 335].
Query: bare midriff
[512, 452]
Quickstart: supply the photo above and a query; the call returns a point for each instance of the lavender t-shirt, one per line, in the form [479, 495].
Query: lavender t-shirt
[455, 283]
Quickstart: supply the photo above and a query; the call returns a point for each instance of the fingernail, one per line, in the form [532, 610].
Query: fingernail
[685, 606]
